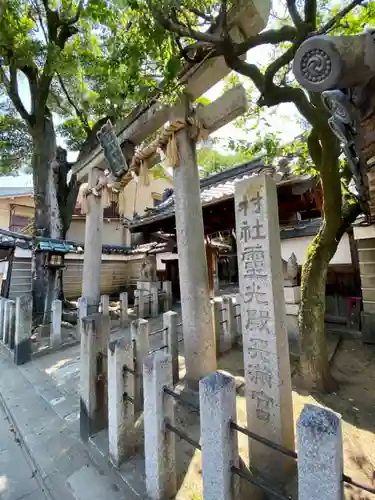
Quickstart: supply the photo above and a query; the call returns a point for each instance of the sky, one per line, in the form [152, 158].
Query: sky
[284, 120]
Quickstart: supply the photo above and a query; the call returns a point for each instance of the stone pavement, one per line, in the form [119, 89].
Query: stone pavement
[41, 401]
[18, 478]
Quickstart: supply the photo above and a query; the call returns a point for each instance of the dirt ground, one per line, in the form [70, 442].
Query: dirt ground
[353, 366]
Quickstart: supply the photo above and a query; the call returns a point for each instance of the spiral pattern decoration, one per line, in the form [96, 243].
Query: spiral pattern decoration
[316, 65]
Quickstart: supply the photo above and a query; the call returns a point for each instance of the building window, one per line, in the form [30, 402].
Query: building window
[18, 222]
[111, 212]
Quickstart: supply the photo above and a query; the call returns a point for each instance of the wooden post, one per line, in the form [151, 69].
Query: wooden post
[93, 246]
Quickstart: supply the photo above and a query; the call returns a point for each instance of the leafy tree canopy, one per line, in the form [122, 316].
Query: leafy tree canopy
[88, 61]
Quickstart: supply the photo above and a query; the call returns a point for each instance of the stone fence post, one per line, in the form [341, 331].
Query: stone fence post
[81, 313]
[154, 302]
[168, 300]
[12, 323]
[216, 306]
[9, 321]
[6, 322]
[104, 305]
[23, 331]
[237, 309]
[2, 309]
[140, 303]
[160, 453]
[320, 455]
[170, 339]
[140, 331]
[228, 324]
[217, 399]
[124, 304]
[121, 389]
[93, 395]
[56, 335]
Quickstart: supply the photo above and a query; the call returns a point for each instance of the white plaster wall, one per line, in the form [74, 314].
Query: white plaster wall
[113, 232]
[299, 247]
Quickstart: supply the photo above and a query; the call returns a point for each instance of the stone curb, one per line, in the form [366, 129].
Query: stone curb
[43, 477]
[27, 452]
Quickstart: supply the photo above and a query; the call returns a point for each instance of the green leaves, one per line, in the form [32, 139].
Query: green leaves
[15, 143]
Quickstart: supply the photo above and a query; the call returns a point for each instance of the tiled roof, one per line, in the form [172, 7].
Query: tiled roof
[213, 188]
[8, 192]
[10, 239]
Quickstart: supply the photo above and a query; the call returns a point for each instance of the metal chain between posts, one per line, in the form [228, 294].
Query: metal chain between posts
[181, 434]
[158, 349]
[264, 441]
[288, 453]
[161, 330]
[182, 400]
[256, 482]
[126, 397]
[129, 370]
[41, 315]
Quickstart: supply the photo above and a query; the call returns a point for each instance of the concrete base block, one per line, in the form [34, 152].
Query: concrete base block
[368, 327]
[292, 326]
[148, 285]
[292, 309]
[292, 294]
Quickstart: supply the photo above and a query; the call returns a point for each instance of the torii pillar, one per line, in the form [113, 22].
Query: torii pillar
[198, 329]
[93, 245]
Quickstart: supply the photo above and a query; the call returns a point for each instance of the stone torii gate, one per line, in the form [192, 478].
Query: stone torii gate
[182, 125]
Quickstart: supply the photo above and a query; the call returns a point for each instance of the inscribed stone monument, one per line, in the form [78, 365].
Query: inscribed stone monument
[265, 342]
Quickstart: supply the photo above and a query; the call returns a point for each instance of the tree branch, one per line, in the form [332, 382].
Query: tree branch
[223, 18]
[284, 60]
[272, 36]
[185, 32]
[202, 15]
[337, 18]
[350, 212]
[310, 12]
[12, 90]
[59, 31]
[80, 114]
[294, 14]
[314, 147]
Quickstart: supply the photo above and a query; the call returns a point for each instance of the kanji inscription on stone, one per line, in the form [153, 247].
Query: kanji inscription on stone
[265, 343]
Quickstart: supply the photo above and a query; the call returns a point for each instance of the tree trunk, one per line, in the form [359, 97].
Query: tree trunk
[48, 222]
[314, 360]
